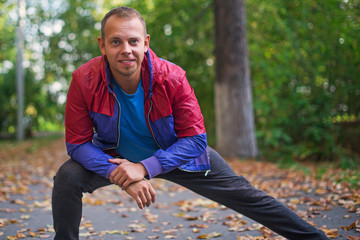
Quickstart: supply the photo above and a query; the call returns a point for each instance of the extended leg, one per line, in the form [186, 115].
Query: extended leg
[225, 187]
[71, 180]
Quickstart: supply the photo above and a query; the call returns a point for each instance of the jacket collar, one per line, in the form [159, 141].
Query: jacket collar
[147, 72]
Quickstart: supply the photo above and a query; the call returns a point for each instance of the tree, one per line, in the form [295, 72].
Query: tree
[304, 65]
[235, 126]
[42, 111]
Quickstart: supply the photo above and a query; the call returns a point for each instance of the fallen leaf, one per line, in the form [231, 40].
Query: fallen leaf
[32, 234]
[199, 225]
[170, 237]
[25, 217]
[44, 236]
[353, 225]
[13, 221]
[353, 237]
[190, 218]
[153, 237]
[331, 233]
[266, 232]
[170, 231]
[18, 202]
[214, 235]
[3, 222]
[118, 232]
[203, 236]
[152, 218]
[20, 235]
[179, 226]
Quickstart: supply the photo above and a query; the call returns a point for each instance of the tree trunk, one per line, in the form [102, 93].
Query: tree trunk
[235, 127]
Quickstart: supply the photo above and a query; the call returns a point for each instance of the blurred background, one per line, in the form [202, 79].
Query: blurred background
[304, 60]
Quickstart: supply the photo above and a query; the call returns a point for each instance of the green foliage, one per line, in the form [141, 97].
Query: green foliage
[304, 63]
[7, 59]
[353, 178]
[183, 32]
[304, 60]
[40, 102]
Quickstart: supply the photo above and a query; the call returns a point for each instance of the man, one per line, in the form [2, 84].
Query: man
[131, 116]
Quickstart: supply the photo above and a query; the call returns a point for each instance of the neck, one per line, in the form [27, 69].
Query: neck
[129, 84]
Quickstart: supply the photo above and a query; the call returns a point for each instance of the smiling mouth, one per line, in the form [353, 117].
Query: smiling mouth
[126, 61]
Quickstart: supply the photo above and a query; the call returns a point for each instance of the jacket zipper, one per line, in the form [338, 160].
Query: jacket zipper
[118, 127]
[118, 124]
[206, 171]
[152, 132]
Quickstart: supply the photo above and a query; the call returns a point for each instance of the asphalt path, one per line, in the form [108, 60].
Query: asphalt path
[109, 213]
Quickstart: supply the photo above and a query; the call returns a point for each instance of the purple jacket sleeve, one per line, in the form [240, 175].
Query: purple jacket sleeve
[180, 153]
[92, 158]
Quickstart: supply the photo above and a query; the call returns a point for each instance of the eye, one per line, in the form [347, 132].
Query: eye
[133, 42]
[115, 42]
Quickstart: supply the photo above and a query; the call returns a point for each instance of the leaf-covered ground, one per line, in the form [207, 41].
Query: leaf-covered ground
[26, 172]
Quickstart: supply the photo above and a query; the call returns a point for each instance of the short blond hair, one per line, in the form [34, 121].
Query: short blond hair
[122, 12]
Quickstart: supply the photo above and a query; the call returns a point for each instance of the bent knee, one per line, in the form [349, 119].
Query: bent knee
[70, 173]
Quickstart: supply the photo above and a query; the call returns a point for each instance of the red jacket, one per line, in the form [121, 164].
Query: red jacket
[171, 109]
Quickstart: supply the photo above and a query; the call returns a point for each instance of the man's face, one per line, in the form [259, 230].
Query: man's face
[124, 44]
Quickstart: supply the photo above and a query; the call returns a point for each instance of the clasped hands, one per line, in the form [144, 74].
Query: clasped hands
[130, 177]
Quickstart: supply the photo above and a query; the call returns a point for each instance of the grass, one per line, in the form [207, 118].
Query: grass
[342, 170]
[30, 145]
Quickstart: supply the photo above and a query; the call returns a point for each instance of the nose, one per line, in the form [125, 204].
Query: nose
[125, 48]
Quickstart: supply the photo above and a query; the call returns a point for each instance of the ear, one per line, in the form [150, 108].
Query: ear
[101, 45]
[146, 43]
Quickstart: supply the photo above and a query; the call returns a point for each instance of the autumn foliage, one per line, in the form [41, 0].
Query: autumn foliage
[26, 170]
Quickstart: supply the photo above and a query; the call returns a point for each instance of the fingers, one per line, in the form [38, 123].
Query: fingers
[113, 175]
[126, 183]
[153, 194]
[116, 177]
[149, 194]
[143, 193]
[119, 177]
[149, 198]
[139, 202]
[144, 200]
[122, 181]
[116, 160]
[126, 173]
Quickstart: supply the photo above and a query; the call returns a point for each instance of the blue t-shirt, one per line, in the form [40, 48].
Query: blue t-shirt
[136, 142]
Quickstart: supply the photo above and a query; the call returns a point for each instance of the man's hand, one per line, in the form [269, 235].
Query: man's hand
[143, 193]
[126, 173]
